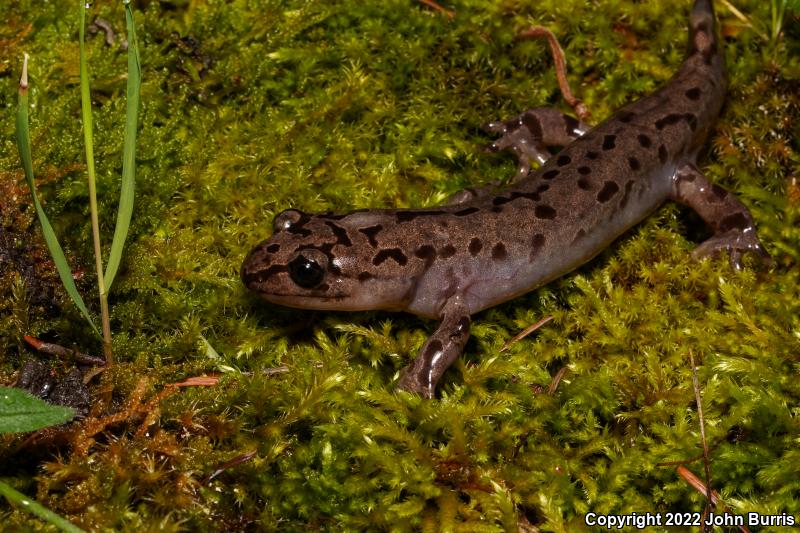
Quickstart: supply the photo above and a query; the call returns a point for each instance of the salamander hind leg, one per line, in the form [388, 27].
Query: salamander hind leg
[438, 352]
[530, 134]
[733, 226]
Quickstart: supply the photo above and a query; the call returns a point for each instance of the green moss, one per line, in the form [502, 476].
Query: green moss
[252, 107]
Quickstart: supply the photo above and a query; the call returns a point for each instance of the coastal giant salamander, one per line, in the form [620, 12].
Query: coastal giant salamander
[486, 247]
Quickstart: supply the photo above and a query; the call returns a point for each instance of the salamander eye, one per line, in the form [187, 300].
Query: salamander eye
[308, 270]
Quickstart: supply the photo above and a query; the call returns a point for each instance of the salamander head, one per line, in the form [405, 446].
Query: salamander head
[311, 262]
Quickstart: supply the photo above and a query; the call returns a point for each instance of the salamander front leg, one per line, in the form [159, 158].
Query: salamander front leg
[734, 230]
[438, 353]
[531, 133]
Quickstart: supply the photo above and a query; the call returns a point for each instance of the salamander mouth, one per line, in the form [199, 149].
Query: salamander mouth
[302, 297]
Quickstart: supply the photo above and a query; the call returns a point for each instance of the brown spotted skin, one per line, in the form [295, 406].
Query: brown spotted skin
[484, 248]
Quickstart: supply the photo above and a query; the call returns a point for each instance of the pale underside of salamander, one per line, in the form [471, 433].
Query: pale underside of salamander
[486, 247]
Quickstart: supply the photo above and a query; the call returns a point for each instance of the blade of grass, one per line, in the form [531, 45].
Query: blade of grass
[35, 508]
[24, 146]
[125, 209]
[86, 118]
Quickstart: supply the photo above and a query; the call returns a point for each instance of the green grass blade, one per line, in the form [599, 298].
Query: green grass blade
[125, 210]
[24, 146]
[36, 508]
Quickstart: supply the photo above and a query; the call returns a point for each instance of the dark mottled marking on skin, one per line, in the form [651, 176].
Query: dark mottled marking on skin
[497, 209]
[533, 196]
[689, 177]
[702, 27]
[550, 174]
[571, 123]
[341, 234]
[542, 188]
[584, 170]
[536, 245]
[407, 216]
[393, 253]
[592, 155]
[734, 221]
[609, 142]
[718, 193]
[544, 211]
[427, 253]
[332, 216]
[532, 123]
[298, 229]
[584, 184]
[626, 194]
[563, 160]
[644, 141]
[669, 120]
[634, 164]
[447, 251]
[609, 189]
[274, 247]
[371, 232]
[475, 246]
[625, 116]
[262, 275]
[364, 276]
[434, 346]
[663, 155]
[693, 93]
[322, 288]
[691, 119]
[467, 211]
[500, 200]
[499, 251]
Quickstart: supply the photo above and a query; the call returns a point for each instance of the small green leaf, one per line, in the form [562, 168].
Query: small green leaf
[21, 412]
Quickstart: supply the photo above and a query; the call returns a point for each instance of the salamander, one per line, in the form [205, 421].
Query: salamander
[484, 247]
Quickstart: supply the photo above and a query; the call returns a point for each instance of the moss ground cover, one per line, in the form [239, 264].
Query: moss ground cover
[251, 107]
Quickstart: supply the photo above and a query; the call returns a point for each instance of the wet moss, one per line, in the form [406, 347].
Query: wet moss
[249, 108]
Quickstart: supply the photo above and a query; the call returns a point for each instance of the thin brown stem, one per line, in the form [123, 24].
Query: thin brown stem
[698, 399]
[538, 32]
[436, 7]
[525, 332]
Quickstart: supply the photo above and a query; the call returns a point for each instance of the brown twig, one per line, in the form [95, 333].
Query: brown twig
[556, 380]
[698, 485]
[196, 381]
[537, 32]
[228, 464]
[525, 332]
[60, 351]
[436, 7]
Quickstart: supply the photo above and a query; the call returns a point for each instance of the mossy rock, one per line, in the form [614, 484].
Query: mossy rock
[249, 108]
